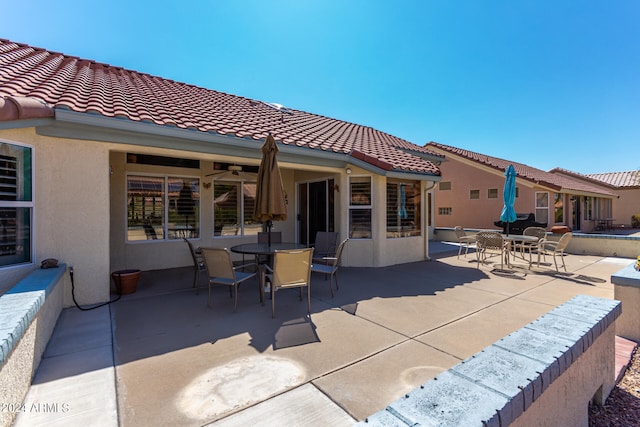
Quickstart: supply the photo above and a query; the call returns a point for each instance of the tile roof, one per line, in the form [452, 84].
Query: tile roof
[85, 86]
[615, 180]
[555, 182]
[630, 179]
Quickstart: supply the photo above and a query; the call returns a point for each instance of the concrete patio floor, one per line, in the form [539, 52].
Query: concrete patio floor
[161, 357]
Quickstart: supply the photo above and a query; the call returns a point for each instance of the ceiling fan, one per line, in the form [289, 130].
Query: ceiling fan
[234, 172]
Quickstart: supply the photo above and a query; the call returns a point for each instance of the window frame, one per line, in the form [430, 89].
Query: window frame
[352, 207]
[413, 210]
[28, 254]
[166, 177]
[242, 221]
[540, 208]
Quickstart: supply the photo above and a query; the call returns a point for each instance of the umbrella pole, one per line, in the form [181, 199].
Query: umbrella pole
[269, 224]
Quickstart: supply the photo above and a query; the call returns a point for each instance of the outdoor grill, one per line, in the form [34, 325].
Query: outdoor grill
[523, 221]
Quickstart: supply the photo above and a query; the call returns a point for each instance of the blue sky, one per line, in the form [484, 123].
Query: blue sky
[545, 83]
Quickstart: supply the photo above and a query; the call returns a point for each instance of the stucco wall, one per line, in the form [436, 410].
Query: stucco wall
[71, 194]
[476, 213]
[626, 206]
[557, 405]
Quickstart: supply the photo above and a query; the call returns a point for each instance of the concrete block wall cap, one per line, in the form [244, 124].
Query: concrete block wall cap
[382, 419]
[451, 400]
[579, 312]
[534, 344]
[628, 276]
[603, 304]
[558, 326]
[503, 371]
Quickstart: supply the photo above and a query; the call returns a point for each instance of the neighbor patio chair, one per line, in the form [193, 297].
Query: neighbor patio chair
[222, 272]
[488, 241]
[325, 245]
[291, 269]
[465, 240]
[555, 248]
[198, 262]
[525, 246]
[329, 265]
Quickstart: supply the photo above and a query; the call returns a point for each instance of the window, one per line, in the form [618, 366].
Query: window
[360, 207]
[444, 211]
[233, 205]
[558, 208]
[403, 208]
[542, 207]
[492, 193]
[162, 207]
[16, 204]
[445, 185]
[474, 194]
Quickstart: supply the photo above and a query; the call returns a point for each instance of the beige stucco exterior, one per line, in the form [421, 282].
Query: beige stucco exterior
[455, 206]
[81, 206]
[626, 205]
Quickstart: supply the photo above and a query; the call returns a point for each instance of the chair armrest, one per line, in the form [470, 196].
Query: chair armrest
[250, 264]
[551, 243]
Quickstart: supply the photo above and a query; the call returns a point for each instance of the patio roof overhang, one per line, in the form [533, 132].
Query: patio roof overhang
[71, 124]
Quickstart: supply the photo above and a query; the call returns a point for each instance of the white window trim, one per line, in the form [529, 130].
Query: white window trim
[24, 204]
[165, 207]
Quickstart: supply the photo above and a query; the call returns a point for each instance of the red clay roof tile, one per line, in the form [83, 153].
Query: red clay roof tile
[87, 86]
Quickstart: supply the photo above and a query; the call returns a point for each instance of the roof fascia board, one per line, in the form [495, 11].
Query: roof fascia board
[70, 124]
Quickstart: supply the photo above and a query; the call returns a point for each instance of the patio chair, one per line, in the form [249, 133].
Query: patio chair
[263, 237]
[221, 271]
[523, 246]
[330, 265]
[465, 240]
[325, 245]
[198, 262]
[488, 241]
[554, 248]
[291, 269]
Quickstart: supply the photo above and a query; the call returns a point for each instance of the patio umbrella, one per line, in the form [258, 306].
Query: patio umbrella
[270, 204]
[508, 214]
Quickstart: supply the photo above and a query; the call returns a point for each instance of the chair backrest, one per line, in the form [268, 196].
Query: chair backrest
[564, 241]
[218, 263]
[538, 232]
[194, 256]
[292, 268]
[336, 260]
[276, 237]
[459, 231]
[325, 243]
[489, 240]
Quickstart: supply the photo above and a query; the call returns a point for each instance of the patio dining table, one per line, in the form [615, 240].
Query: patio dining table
[265, 249]
[512, 239]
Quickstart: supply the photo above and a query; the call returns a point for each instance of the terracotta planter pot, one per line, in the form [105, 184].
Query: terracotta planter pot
[126, 281]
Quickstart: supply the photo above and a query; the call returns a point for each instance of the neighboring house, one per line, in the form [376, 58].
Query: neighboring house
[470, 193]
[625, 184]
[106, 168]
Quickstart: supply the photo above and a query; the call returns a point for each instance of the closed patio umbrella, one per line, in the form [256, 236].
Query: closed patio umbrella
[270, 204]
[508, 214]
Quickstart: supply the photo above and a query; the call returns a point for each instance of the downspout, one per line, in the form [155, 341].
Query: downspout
[426, 235]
